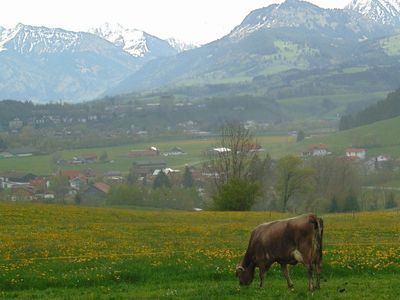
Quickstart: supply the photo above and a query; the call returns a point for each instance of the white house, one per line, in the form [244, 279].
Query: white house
[358, 153]
[316, 150]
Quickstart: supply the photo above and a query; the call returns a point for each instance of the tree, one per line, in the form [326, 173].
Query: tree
[59, 185]
[78, 199]
[390, 201]
[233, 163]
[104, 157]
[334, 205]
[161, 180]
[300, 136]
[237, 195]
[3, 144]
[334, 177]
[351, 203]
[187, 180]
[132, 177]
[234, 156]
[292, 179]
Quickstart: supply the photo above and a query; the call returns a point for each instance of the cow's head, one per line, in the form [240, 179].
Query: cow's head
[245, 275]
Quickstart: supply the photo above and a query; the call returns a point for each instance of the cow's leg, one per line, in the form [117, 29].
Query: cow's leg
[317, 270]
[285, 272]
[263, 269]
[310, 276]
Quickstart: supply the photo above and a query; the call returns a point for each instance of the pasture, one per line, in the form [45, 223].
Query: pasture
[69, 252]
[120, 161]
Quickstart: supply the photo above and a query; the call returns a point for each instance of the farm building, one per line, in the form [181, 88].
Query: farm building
[316, 150]
[144, 168]
[152, 151]
[356, 153]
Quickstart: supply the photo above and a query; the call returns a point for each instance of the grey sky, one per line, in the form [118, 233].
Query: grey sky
[189, 20]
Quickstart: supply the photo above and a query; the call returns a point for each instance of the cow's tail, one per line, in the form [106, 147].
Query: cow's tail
[317, 238]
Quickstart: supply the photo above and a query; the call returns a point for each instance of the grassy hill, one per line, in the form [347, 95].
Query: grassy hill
[69, 252]
[378, 138]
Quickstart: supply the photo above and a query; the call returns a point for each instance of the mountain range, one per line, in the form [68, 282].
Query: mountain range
[382, 11]
[285, 40]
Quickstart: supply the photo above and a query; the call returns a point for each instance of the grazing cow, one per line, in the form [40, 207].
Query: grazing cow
[287, 242]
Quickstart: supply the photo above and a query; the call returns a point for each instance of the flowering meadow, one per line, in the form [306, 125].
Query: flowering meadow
[49, 251]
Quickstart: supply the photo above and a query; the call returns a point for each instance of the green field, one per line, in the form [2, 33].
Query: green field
[69, 252]
[194, 148]
[378, 138]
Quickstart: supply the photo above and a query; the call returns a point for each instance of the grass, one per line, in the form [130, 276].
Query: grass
[68, 252]
[378, 138]
[391, 45]
[194, 148]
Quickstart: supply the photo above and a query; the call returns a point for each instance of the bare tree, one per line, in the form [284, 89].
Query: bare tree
[234, 155]
[292, 179]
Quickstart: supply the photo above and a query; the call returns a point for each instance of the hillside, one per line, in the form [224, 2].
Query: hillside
[293, 36]
[385, 109]
[378, 138]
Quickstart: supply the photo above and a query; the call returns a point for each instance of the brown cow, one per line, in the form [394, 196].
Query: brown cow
[287, 242]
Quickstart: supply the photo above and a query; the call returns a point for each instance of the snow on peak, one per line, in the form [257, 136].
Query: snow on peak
[382, 11]
[26, 39]
[132, 41]
[181, 46]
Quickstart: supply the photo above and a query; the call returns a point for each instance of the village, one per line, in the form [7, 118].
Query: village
[85, 186]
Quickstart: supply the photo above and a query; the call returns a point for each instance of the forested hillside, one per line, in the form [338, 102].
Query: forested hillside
[383, 110]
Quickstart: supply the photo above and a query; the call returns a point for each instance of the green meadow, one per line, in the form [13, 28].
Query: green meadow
[70, 252]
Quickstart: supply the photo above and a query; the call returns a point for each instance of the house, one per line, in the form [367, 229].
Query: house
[114, 177]
[356, 153]
[15, 125]
[167, 171]
[22, 193]
[89, 158]
[39, 184]
[6, 154]
[78, 182]
[219, 150]
[143, 168]
[174, 152]
[152, 151]
[316, 150]
[255, 148]
[24, 151]
[10, 179]
[71, 174]
[95, 194]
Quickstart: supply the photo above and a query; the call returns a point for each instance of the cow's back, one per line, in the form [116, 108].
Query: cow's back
[278, 240]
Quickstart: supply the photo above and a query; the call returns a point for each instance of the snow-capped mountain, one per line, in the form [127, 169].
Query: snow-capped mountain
[42, 64]
[133, 41]
[293, 35]
[382, 11]
[28, 39]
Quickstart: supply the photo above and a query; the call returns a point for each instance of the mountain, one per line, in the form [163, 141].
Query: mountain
[382, 11]
[136, 42]
[181, 46]
[44, 64]
[294, 35]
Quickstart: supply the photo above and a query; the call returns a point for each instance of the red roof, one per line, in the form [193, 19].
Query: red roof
[102, 187]
[318, 146]
[71, 174]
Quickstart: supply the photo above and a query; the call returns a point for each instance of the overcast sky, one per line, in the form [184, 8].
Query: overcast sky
[198, 21]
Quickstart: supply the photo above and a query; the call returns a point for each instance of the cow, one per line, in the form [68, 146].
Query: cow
[287, 242]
